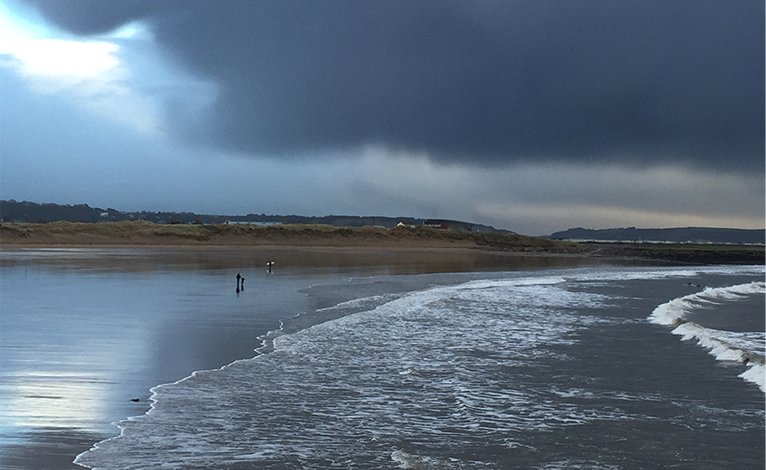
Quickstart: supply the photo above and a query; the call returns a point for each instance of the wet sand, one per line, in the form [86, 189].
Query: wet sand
[399, 260]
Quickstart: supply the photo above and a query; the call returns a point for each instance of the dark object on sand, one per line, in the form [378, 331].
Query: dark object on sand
[135, 399]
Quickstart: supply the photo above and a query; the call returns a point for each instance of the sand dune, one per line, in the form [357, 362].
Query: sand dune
[147, 233]
[141, 233]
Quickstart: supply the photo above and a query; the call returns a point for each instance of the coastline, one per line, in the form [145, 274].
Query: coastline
[205, 273]
[207, 326]
[615, 359]
[364, 241]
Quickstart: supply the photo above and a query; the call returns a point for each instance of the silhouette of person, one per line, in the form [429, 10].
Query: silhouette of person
[243, 282]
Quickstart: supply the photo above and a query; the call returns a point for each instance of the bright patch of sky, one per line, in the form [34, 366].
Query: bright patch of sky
[65, 60]
[105, 75]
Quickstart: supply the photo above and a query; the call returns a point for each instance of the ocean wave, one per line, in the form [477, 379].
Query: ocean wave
[675, 311]
[743, 347]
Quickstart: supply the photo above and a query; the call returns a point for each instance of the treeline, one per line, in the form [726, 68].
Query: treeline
[30, 212]
[12, 211]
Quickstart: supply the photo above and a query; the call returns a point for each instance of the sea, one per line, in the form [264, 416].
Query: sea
[602, 367]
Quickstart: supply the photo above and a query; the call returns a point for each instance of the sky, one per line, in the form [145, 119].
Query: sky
[529, 115]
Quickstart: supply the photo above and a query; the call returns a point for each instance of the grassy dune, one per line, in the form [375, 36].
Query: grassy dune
[147, 233]
[141, 233]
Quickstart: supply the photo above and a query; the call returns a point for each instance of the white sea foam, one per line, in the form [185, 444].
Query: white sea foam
[756, 374]
[578, 464]
[418, 462]
[592, 275]
[744, 347]
[724, 345]
[359, 303]
[674, 312]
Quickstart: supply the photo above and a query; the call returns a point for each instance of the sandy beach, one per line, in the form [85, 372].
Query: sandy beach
[349, 246]
[95, 327]
[123, 290]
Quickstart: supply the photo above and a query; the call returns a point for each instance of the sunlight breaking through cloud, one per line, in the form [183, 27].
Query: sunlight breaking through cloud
[70, 61]
[92, 73]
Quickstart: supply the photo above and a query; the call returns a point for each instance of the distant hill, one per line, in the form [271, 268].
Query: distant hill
[676, 235]
[30, 212]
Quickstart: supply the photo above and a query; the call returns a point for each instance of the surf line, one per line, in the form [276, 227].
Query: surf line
[725, 346]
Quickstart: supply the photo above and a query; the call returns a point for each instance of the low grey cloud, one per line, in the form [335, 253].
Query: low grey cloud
[477, 82]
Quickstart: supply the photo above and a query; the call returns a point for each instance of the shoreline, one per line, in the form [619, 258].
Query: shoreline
[363, 260]
[200, 331]
[231, 330]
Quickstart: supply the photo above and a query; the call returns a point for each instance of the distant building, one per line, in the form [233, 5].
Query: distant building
[453, 225]
[245, 222]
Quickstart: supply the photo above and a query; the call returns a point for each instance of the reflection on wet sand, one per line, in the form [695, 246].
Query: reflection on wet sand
[55, 399]
[368, 261]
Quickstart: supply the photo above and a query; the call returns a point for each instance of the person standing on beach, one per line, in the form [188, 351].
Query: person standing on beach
[238, 279]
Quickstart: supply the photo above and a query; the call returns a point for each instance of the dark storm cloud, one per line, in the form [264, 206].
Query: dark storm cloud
[643, 81]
